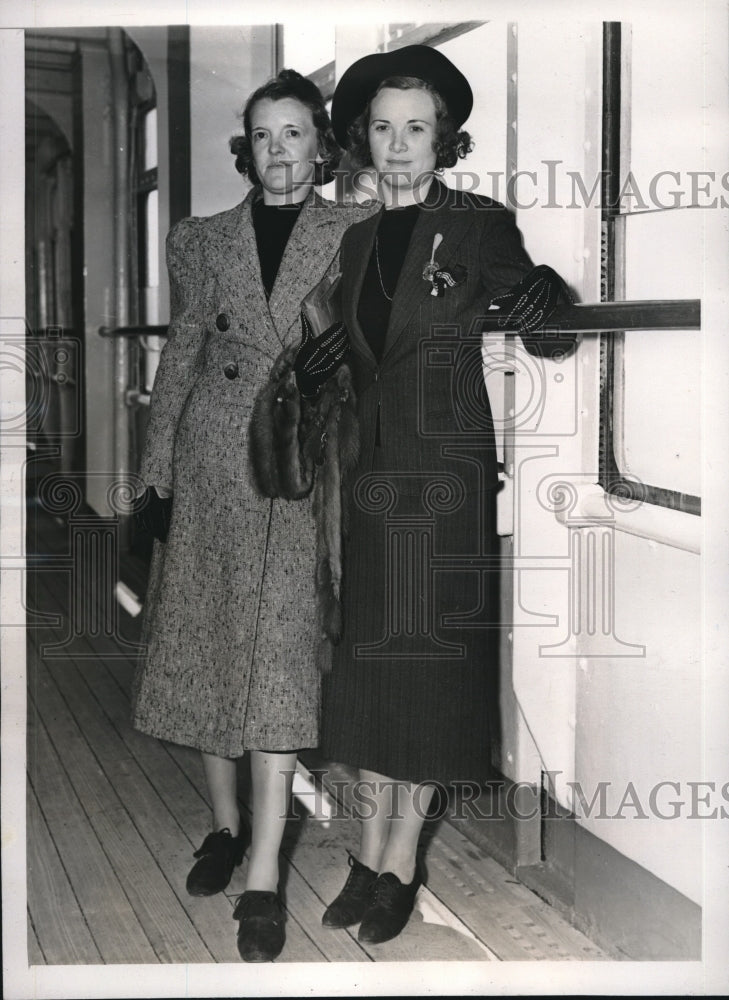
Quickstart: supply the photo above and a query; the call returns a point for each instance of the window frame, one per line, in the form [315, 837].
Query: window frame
[610, 476]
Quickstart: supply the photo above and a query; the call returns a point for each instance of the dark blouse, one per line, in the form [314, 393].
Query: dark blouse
[383, 270]
[273, 225]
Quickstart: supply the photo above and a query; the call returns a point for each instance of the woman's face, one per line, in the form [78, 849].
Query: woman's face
[401, 135]
[285, 146]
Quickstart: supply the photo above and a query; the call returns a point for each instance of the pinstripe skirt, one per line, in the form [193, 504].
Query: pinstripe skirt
[415, 674]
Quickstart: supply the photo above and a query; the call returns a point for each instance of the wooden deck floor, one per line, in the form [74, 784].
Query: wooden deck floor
[114, 816]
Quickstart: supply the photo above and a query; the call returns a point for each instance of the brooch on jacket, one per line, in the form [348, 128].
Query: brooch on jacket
[442, 278]
[448, 278]
[432, 266]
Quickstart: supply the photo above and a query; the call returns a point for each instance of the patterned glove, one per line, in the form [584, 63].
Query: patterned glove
[529, 304]
[318, 357]
[152, 513]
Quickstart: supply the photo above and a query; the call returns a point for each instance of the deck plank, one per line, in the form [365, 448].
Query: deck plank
[56, 914]
[118, 934]
[514, 922]
[49, 589]
[167, 926]
[159, 827]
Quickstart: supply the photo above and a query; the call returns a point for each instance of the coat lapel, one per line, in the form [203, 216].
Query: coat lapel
[236, 255]
[309, 251]
[361, 240]
[437, 216]
[312, 246]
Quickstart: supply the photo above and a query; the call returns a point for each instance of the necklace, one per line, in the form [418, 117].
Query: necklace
[379, 272]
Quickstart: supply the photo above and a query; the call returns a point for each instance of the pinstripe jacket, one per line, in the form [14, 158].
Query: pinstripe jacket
[428, 390]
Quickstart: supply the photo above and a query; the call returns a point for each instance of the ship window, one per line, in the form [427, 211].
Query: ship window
[652, 250]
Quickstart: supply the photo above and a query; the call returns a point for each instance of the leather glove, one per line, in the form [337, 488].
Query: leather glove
[152, 513]
[529, 304]
[318, 357]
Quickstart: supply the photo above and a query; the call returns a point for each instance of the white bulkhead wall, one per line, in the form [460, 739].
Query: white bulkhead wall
[557, 137]
[613, 706]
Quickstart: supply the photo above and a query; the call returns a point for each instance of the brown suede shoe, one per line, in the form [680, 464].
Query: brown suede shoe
[355, 897]
[392, 904]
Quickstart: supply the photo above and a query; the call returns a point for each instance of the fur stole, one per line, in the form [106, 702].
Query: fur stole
[298, 446]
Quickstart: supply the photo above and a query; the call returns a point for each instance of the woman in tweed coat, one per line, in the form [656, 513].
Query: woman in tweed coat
[407, 701]
[234, 654]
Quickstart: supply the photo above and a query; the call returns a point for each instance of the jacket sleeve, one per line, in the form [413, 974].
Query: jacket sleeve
[180, 360]
[504, 262]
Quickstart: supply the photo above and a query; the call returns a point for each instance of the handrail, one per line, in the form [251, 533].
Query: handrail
[133, 331]
[591, 317]
[611, 318]
[614, 317]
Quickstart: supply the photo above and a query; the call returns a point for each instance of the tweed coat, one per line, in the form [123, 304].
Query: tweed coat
[414, 678]
[233, 653]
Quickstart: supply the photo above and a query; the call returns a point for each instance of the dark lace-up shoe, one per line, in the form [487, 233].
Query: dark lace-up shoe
[219, 854]
[392, 904]
[355, 897]
[261, 933]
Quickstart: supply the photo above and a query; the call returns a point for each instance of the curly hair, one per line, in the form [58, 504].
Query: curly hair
[450, 143]
[289, 83]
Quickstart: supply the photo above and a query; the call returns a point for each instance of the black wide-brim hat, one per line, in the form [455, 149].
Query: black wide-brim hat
[361, 80]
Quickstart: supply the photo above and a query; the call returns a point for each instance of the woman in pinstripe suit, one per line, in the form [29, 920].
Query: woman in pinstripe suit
[408, 698]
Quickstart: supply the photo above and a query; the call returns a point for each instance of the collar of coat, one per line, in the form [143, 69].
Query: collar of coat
[312, 245]
[445, 211]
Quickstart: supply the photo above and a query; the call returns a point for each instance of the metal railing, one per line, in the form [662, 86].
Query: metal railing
[605, 318]
[610, 319]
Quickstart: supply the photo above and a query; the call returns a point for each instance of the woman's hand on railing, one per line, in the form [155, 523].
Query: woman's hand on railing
[529, 304]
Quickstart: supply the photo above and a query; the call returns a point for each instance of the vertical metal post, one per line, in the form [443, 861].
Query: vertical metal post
[610, 183]
[121, 201]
